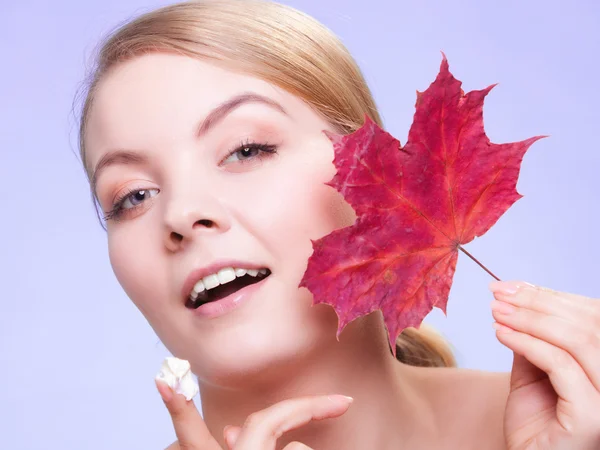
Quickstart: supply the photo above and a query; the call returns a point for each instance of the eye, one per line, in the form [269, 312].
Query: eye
[245, 153]
[249, 150]
[127, 203]
[137, 197]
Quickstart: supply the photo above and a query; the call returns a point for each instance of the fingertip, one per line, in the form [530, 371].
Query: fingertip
[502, 329]
[348, 403]
[164, 390]
[340, 400]
[335, 406]
[230, 434]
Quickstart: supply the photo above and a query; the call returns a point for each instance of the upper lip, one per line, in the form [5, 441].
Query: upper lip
[197, 274]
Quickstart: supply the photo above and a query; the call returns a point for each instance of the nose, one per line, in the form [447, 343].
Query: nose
[188, 217]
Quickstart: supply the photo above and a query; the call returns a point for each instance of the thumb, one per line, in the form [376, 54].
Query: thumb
[231, 433]
[524, 373]
[192, 433]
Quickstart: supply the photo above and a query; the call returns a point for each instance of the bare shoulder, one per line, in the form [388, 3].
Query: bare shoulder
[470, 402]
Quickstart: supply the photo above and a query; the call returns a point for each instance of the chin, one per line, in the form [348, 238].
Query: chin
[272, 335]
[261, 354]
[233, 365]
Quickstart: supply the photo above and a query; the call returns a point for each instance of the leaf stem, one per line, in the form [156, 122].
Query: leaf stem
[475, 259]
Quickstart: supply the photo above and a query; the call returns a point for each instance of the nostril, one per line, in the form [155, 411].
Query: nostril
[176, 237]
[206, 223]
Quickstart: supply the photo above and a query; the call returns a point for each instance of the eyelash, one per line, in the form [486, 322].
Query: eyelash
[117, 211]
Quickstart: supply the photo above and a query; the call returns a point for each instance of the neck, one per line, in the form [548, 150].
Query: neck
[387, 412]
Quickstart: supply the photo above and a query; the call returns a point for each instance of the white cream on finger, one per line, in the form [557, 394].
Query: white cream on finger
[177, 373]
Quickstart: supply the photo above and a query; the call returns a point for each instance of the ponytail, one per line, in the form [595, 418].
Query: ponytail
[424, 347]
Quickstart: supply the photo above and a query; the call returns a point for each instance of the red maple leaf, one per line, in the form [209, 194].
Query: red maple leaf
[416, 205]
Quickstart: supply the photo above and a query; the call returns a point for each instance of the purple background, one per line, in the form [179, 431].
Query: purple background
[78, 360]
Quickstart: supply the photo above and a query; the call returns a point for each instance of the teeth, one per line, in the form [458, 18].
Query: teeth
[223, 276]
[226, 275]
[198, 287]
[211, 281]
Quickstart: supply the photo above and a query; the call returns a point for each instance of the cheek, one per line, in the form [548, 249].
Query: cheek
[136, 268]
[302, 207]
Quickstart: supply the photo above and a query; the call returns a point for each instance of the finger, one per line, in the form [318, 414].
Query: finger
[191, 431]
[262, 429]
[296, 446]
[578, 401]
[566, 375]
[230, 434]
[524, 373]
[581, 341]
[561, 304]
[525, 380]
[513, 286]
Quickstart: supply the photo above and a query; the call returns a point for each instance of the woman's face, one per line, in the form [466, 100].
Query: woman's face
[172, 141]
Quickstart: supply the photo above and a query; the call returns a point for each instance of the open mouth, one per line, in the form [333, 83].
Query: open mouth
[197, 299]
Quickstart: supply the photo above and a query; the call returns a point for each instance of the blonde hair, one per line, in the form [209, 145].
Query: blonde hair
[280, 45]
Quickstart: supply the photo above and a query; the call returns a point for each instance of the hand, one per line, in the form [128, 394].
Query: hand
[554, 400]
[261, 429]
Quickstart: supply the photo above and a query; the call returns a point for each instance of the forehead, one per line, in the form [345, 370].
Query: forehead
[155, 98]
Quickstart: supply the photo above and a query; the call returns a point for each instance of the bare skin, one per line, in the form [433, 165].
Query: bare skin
[193, 197]
[465, 427]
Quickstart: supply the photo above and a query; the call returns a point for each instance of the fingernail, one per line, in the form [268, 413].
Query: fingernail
[341, 399]
[501, 328]
[506, 287]
[164, 390]
[502, 307]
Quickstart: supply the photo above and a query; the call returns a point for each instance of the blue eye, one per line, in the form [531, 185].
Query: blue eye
[249, 150]
[137, 197]
[129, 201]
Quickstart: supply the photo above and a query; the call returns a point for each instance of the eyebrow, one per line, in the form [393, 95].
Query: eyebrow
[216, 115]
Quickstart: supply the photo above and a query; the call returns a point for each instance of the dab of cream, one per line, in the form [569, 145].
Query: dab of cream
[177, 374]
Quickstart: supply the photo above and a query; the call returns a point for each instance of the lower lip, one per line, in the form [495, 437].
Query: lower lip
[227, 304]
